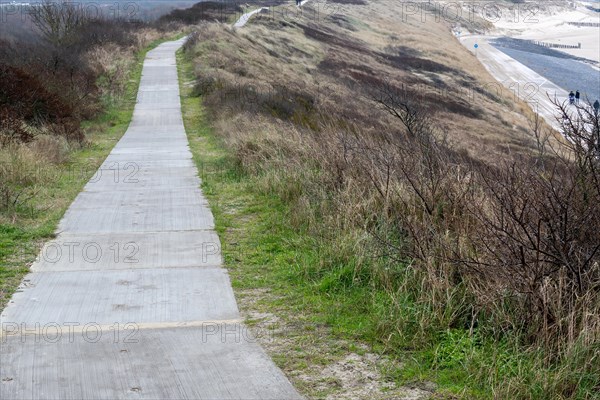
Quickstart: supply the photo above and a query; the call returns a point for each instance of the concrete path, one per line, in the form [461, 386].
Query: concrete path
[246, 17]
[519, 80]
[131, 301]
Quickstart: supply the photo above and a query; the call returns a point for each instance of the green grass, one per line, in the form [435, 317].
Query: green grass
[263, 251]
[23, 230]
[313, 284]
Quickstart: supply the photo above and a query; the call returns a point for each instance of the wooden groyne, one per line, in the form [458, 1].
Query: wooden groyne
[585, 24]
[556, 45]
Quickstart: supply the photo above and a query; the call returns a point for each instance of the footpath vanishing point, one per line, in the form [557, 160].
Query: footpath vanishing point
[130, 301]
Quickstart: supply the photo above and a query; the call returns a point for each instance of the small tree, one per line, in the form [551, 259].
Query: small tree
[57, 22]
[525, 232]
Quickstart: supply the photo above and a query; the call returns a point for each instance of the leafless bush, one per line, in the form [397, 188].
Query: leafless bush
[74, 69]
[535, 241]
[191, 41]
[581, 128]
[12, 129]
[58, 22]
[525, 234]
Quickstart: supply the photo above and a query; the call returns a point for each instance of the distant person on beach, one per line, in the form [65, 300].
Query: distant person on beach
[571, 98]
[577, 97]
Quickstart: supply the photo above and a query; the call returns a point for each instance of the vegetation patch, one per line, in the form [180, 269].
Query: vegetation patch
[42, 165]
[308, 326]
[395, 217]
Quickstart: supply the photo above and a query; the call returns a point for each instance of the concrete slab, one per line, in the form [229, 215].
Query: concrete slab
[149, 156]
[153, 141]
[162, 130]
[158, 97]
[213, 361]
[76, 252]
[150, 151]
[132, 176]
[137, 219]
[176, 197]
[109, 163]
[156, 79]
[137, 296]
[155, 117]
[143, 161]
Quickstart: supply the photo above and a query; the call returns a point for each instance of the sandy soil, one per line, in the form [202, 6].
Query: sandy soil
[552, 25]
[525, 83]
[549, 25]
[326, 368]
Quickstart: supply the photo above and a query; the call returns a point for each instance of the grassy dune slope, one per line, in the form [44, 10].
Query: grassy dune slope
[337, 58]
[350, 232]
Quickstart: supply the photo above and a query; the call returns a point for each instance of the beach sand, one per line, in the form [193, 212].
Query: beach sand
[552, 25]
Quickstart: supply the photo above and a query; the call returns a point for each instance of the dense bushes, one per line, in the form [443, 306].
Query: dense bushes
[60, 78]
[24, 100]
[69, 71]
[204, 11]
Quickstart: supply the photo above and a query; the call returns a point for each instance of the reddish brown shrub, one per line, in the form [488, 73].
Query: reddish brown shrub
[24, 98]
